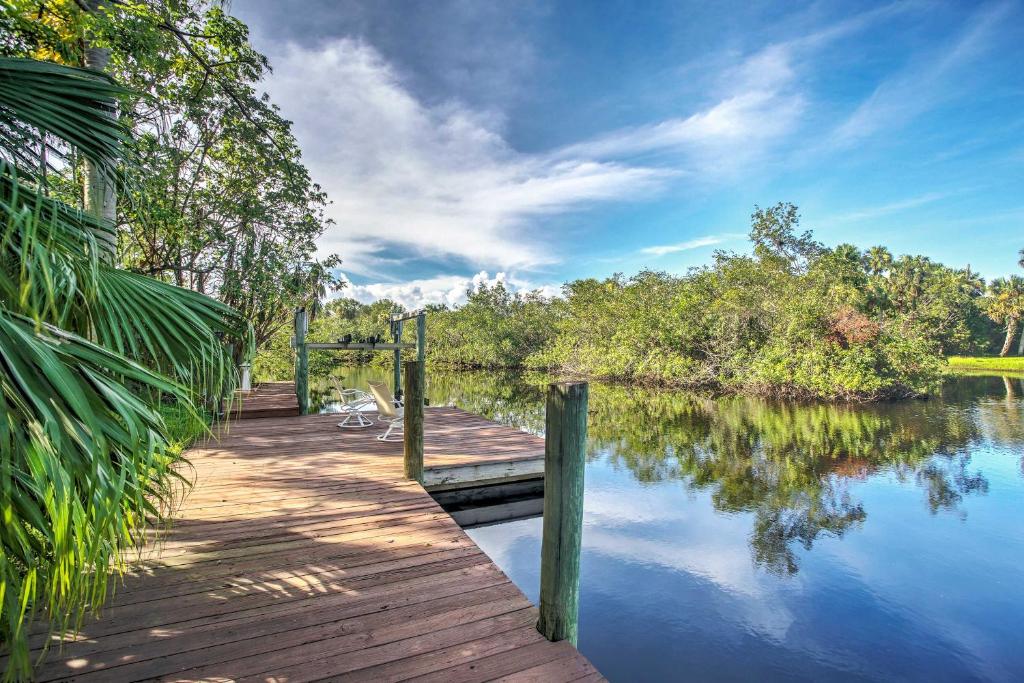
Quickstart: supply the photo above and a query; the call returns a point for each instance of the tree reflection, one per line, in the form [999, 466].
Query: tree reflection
[789, 464]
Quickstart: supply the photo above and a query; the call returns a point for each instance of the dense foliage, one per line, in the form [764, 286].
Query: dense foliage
[792, 317]
[89, 351]
[217, 199]
[495, 328]
[130, 190]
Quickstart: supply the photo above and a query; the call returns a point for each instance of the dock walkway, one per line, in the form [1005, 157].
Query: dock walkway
[270, 399]
[303, 554]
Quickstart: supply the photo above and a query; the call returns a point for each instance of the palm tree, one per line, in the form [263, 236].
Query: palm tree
[1020, 344]
[878, 260]
[1005, 305]
[87, 352]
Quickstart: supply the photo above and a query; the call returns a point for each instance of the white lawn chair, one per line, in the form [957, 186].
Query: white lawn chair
[389, 410]
[353, 403]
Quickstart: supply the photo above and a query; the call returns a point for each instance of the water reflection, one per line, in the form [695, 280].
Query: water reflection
[789, 464]
[742, 539]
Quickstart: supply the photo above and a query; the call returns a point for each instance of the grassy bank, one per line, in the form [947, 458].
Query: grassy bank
[1008, 364]
[183, 428]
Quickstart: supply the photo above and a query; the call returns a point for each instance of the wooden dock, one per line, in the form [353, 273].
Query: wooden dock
[269, 399]
[303, 554]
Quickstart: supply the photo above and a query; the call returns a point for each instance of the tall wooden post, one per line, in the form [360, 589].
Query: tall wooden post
[301, 361]
[414, 420]
[421, 337]
[565, 446]
[396, 335]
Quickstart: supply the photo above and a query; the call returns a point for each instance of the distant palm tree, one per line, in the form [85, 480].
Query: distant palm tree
[1005, 305]
[1020, 344]
[972, 283]
[878, 260]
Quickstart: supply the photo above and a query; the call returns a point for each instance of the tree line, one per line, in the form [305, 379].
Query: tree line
[791, 318]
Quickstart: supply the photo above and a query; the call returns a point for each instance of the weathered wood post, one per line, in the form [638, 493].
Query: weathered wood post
[565, 446]
[396, 336]
[421, 337]
[301, 361]
[414, 380]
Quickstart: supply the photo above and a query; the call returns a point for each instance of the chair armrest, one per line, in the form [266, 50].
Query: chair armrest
[356, 398]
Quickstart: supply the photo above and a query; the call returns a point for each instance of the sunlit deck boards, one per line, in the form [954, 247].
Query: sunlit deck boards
[461, 448]
[303, 554]
[269, 399]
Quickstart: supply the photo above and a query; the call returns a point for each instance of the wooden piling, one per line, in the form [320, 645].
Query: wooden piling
[413, 423]
[565, 444]
[301, 361]
[421, 337]
[396, 336]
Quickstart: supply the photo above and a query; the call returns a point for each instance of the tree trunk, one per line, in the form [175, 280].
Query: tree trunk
[98, 193]
[1011, 332]
[1020, 345]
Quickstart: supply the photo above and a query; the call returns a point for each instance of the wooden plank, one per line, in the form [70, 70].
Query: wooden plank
[548, 663]
[571, 666]
[350, 635]
[503, 512]
[101, 637]
[302, 552]
[411, 656]
[269, 399]
[334, 631]
[482, 474]
[354, 568]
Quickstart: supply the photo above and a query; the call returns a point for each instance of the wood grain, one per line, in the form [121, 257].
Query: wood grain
[303, 553]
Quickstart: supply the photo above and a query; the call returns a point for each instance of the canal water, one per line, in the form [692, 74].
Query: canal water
[740, 539]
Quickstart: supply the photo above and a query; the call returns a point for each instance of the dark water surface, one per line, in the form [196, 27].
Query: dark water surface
[737, 539]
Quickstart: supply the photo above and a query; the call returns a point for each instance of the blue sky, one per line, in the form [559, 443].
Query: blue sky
[544, 141]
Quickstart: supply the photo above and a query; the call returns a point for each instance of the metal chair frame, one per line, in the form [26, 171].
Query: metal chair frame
[353, 401]
[390, 410]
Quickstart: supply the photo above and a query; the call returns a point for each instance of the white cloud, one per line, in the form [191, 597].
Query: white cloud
[440, 181]
[892, 207]
[706, 545]
[442, 289]
[931, 80]
[663, 249]
[757, 103]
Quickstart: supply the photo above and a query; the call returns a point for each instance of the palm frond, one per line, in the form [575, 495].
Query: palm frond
[177, 331]
[82, 463]
[84, 350]
[180, 332]
[75, 105]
